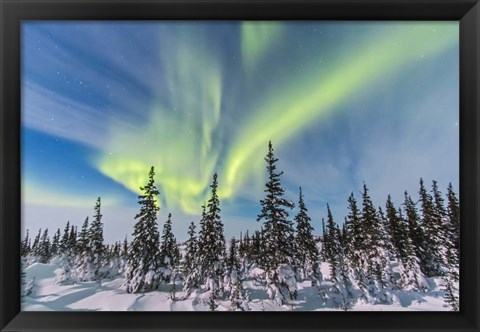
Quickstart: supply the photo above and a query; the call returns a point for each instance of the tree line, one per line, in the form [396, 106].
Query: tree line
[375, 252]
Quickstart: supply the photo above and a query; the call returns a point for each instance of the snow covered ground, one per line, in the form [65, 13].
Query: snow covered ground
[108, 296]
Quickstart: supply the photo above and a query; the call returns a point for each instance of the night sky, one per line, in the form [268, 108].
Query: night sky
[342, 102]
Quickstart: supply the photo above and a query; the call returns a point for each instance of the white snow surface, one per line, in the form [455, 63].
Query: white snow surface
[109, 296]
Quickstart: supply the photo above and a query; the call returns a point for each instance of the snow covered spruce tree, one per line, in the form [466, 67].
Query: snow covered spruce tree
[415, 231]
[36, 246]
[190, 270]
[453, 212]
[66, 259]
[142, 271]
[232, 265]
[55, 245]
[354, 234]
[43, 249]
[411, 275]
[211, 244]
[453, 254]
[340, 293]
[375, 270]
[233, 281]
[83, 249]
[168, 248]
[397, 230]
[25, 246]
[83, 242]
[92, 263]
[450, 286]
[96, 243]
[279, 249]
[434, 251]
[307, 252]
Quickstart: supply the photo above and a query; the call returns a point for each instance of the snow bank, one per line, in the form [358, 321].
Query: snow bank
[108, 296]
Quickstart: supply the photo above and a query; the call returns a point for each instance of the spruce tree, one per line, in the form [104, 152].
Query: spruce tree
[376, 274]
[415, 232]
[25, 245]
[168, 249]
[97, 251]
[55, 243]
[238, 296]
[72, 240]
[83, 265]
[93, 256]
[83, 238]
[123, 255]
[66, 258]
[279, 249]
[433, 235]
[342, 288]
[142, 268]
[232, 265]
[36, 246]
[307, 252]
[323, 240]
[453, 212]
[450, 286]
[332, 244]
[64, 242]
[354, 233]
[190, 269]
[211, 243]
[397, 230]
[44, 248]
[125, 248]
[446, 242]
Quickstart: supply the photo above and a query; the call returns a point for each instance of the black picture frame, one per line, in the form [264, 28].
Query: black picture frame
[467, 12]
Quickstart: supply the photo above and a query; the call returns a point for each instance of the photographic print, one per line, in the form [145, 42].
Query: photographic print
[240, 166]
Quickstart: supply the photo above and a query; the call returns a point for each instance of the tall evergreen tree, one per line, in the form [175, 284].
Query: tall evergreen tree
[397, 230]
[354, 233]
[433, 235]
[25, 245]
[92, 263]
[342, 288]
[332, 245]
[279, 246]
[83, 238]
[168, 250]
[96, 242]
[411, 275]
[36, 246]
[307, 252]
[142, 268]
[450, 287]
[125, 248]
[55, 243]
[211, 243]
[66, 258]
[415, 231]
[238, 296]
[375, 273]
[190, 264]
[453, 212]
[323, 239]
[44, 248]
[64, 242]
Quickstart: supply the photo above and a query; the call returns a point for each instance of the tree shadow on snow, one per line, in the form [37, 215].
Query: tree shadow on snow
[62, 302]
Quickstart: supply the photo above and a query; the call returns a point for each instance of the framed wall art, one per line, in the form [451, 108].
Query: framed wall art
[247, 165]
